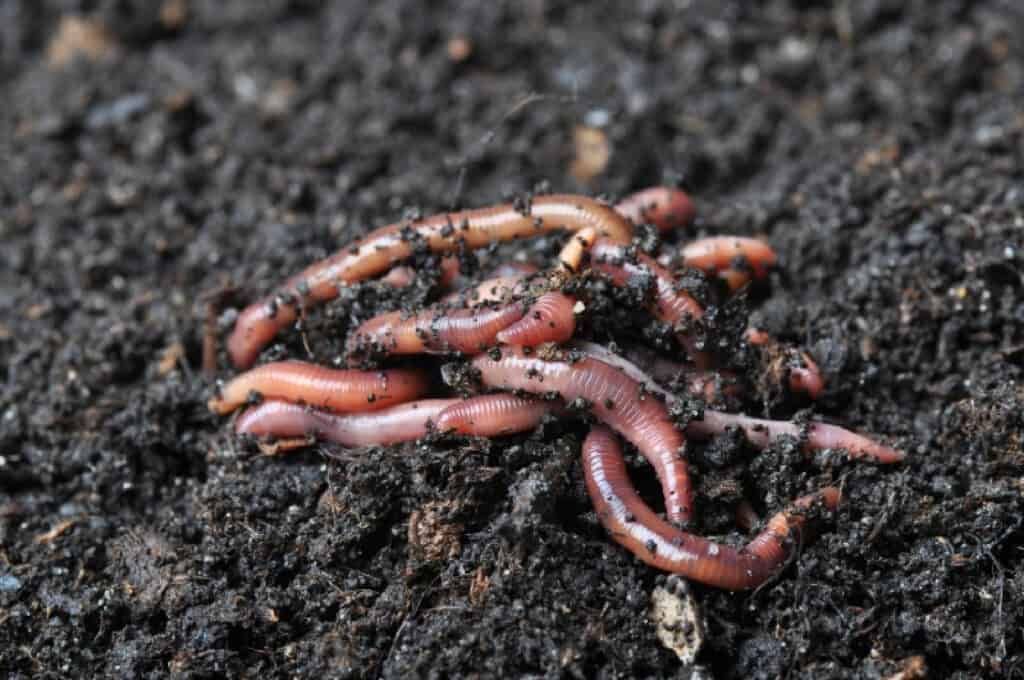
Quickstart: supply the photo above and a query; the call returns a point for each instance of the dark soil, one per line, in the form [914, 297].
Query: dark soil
[199, 151]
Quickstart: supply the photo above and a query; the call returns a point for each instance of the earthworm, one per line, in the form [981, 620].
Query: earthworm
[515, 269]
[338, 390]
[759, 432]
[633, 525]
[664, 207]
[459, 330]
[282, 420]
[719, 253]
[707, 384]
[669, 305]
[492, 415]
[803, 371]
[403, 276]
[259, 322]
[616, 399]
[550, 319]
[814, 436]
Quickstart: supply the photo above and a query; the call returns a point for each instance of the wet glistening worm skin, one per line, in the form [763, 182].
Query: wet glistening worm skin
[633, 525]
[376, 253]
[338, 390]
[803, 371]
[616, 401]
[494, 415]
[758, 431]
[522, 319]
[283, 421]
[457, 330]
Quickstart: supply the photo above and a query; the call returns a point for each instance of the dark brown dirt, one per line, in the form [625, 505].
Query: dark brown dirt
[199, 149]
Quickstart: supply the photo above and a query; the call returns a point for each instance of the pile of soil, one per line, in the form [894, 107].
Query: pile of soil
[164, 156]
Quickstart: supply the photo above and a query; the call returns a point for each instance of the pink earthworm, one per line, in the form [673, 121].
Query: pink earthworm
[338, 390]
[493, 415]
[550, 319]
[664, 207]
[669, 305]
[719, 254]
[381, 249]
[571, 255]
[438, 331]
[290, 422]
[759, 432]
[633, 525]
[707, 384]
[615, 398]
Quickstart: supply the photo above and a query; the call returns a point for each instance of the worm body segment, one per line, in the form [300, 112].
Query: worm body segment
[719, 253]
[281, 420]
[664, 207]
[493, 415]
[616, 399]
[460, 330]
[633, 525]
[259, 323]
[338, 390]
[670, 305]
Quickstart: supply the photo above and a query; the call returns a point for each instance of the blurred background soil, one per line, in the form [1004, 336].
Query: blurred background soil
[160, 155]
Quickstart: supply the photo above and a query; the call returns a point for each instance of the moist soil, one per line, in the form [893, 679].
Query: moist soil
[166, 162]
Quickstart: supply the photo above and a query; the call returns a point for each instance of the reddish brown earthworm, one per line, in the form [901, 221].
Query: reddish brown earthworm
[435, 331]
[493, 415]
[283, 421]
[338, 390]
[719, 253]
[550, 319]
[673, 306]
[515, 269]
[615, 398]
[260, 322]
[633, 525]
[403, 276]
[664, 207]
[711, 385]
[814, 436]
[759, 432]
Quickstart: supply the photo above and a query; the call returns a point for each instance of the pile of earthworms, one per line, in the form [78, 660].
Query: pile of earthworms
[516, 330]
